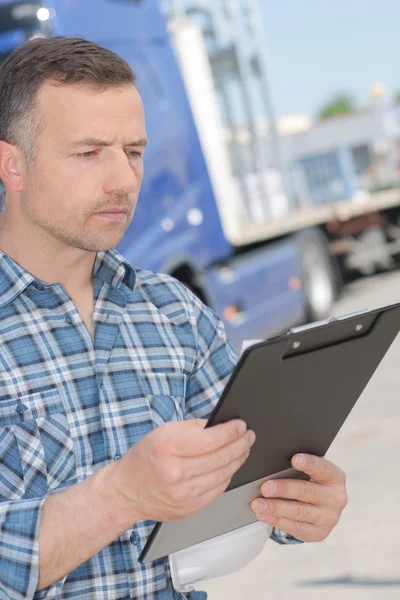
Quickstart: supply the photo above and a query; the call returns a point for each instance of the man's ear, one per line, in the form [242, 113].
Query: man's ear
[11, 165]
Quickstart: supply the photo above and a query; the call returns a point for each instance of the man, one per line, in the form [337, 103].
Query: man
[107, 372]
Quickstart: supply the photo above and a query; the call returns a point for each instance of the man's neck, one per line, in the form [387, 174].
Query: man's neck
[49, 260]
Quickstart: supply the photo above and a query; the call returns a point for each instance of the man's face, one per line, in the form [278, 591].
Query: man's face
[88, 160]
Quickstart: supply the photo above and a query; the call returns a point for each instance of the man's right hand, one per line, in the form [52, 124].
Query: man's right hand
[180, 467]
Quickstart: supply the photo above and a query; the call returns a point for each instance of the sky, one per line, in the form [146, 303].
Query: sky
[316, 48]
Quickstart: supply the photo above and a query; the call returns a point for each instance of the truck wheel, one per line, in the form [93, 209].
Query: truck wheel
[186, 275]
[320, 274]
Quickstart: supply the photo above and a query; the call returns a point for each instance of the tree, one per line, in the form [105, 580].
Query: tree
[341, 104]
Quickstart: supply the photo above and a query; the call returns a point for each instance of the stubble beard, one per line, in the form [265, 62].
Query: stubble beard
[83, 238]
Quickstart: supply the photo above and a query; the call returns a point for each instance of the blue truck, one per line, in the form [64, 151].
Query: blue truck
[261, 276]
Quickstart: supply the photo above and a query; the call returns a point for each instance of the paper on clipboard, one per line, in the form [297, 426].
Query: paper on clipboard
[247, 343]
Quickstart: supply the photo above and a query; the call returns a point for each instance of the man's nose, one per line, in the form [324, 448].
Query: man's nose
[121, 176]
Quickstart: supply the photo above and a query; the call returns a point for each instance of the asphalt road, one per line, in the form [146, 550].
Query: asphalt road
[361, 558]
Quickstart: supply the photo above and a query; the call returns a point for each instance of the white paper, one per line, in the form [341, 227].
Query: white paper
[247, 343]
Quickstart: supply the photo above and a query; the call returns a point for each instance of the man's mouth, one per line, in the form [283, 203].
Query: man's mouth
[113, 214]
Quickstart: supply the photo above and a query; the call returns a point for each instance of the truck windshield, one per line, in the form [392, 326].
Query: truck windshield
[20, 21]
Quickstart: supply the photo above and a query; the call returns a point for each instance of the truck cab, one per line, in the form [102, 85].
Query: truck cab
[177, 227]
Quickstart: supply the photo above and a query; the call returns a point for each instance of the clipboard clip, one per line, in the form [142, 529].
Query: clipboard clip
[332, 319]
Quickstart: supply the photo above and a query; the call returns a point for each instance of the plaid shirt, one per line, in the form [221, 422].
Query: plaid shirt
[68, 407]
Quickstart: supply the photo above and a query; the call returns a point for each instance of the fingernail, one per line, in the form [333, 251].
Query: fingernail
[301, 460]
[252, 436]
[260, 506]
[269, 489]
[242, 427]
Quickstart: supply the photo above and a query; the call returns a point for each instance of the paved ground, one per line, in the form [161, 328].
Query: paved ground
[361, 558]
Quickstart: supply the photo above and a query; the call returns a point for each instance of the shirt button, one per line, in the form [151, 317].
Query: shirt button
[117, 457]
[70, 320]
[39, 286]
[134, 539]
[21, 409]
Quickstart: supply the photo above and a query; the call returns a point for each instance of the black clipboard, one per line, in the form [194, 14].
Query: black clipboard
[295, 391]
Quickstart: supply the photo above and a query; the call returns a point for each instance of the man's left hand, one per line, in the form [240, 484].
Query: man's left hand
[308, 510]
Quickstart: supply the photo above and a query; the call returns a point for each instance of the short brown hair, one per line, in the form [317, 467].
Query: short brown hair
[62, 60]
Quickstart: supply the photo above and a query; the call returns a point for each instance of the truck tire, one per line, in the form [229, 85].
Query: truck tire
[187, 276]
[320, 274]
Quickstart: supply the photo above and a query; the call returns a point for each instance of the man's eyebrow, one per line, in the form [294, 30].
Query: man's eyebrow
[139, 142]
[104, 143]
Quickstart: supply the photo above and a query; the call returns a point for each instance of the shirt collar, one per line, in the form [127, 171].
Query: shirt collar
[113, 269]
[14, 279]
[109, 266]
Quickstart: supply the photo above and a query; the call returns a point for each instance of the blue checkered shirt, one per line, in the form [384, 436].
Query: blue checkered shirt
[69, 406]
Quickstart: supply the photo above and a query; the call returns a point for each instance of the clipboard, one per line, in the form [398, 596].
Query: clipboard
[295, 391]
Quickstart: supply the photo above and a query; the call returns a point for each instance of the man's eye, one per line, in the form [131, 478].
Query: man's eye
[134, 153]
[88, 154]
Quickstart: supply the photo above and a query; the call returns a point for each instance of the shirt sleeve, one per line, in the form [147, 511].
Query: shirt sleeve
[281, 537]
[216, 359]
[19, 548]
